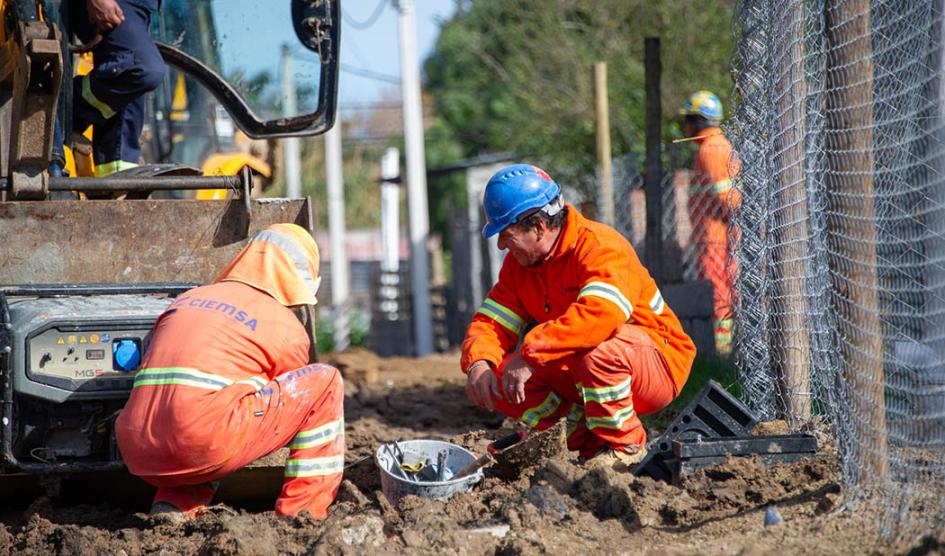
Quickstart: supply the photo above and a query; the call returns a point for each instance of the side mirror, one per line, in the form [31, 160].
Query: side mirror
[315, 27]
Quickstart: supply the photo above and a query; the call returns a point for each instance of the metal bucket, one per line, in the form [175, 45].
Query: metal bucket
[396, 484]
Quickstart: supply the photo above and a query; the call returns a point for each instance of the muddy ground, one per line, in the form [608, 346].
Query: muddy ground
[559, 507]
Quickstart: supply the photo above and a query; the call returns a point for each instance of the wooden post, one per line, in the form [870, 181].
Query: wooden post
[791, 337]
[602, 118]
[653, 175]
[851, 227]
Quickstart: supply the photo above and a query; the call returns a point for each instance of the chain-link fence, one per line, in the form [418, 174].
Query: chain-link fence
[696, 211]
[629, 209]
[841, 251]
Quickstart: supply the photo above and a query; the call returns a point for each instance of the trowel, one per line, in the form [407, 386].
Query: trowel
[529, 450]
[519, 451]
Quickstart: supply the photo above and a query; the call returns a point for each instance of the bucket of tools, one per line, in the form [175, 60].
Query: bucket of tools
[426, 468]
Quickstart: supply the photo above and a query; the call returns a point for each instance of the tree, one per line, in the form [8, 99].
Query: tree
[517, 75]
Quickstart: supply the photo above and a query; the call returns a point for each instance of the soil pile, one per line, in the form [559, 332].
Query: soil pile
[558, 506]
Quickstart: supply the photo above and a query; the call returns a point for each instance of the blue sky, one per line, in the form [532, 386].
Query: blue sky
[376, 49]
[252, 33]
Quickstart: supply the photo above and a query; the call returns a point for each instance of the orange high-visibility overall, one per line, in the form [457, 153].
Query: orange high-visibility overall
[606, 346]
[712, 202]
[225, 381]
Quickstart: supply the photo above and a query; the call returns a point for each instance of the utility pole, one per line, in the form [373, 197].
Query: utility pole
[653, 178]
[791, 245]
[851, 237]
[602, 116]
[417, 208]
[290, 145]
[390, 211]
[389, 319]
[336, 232]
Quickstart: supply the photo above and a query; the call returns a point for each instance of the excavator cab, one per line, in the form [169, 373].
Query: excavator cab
[82, 279]
[233, 49]
[236, 49]
[188, 125]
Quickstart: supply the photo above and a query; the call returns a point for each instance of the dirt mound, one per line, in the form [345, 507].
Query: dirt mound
[558, 506]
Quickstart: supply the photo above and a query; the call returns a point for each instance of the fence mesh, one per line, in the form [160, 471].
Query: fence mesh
[696, 209]
[840, 131]
[629, 210]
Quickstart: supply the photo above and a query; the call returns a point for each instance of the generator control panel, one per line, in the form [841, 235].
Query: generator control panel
[82, 351]
[80, 347]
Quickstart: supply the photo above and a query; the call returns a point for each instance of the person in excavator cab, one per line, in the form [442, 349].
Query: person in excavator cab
[226, 380]
[605, 347]
[713, 200]
[126, 66]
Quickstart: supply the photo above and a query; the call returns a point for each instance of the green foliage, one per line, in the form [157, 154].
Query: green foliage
[358, 328]
[358, 331]
[325, 337]
[518, 75]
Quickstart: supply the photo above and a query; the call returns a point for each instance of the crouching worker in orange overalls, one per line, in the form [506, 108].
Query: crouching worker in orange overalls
[605, 347]
[226, 381]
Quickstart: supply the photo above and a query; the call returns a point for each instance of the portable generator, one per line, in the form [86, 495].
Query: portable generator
[68, 358]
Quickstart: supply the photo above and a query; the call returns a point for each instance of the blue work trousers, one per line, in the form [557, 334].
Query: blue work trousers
[127, 65]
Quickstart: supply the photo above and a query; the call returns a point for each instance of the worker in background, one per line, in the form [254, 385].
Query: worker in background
[605, 347]
[127, 65]
[226, 380]
[712, 202]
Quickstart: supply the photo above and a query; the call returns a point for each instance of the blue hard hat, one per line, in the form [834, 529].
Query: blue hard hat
[514, 190]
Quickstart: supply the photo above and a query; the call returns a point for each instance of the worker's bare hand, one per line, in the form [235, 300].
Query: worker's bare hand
[514, 376]
[105, 14]
[482, 386]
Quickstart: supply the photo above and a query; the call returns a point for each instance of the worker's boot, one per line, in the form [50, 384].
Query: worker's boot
[165, 512]
[623, 459]
[183, 503]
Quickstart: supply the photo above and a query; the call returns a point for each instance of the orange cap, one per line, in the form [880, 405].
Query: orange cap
[281, 260]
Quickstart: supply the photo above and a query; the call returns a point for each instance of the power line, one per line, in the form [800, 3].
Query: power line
[371, 20]
[370, 74]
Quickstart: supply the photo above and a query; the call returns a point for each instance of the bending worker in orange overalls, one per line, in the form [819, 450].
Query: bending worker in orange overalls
[226, 381]
[713, 200]
[605, 347]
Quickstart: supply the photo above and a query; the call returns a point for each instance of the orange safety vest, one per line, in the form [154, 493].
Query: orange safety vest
[214, 345]
[712, 195]
[588, 286]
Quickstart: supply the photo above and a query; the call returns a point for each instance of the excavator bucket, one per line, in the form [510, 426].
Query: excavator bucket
[132, 242]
